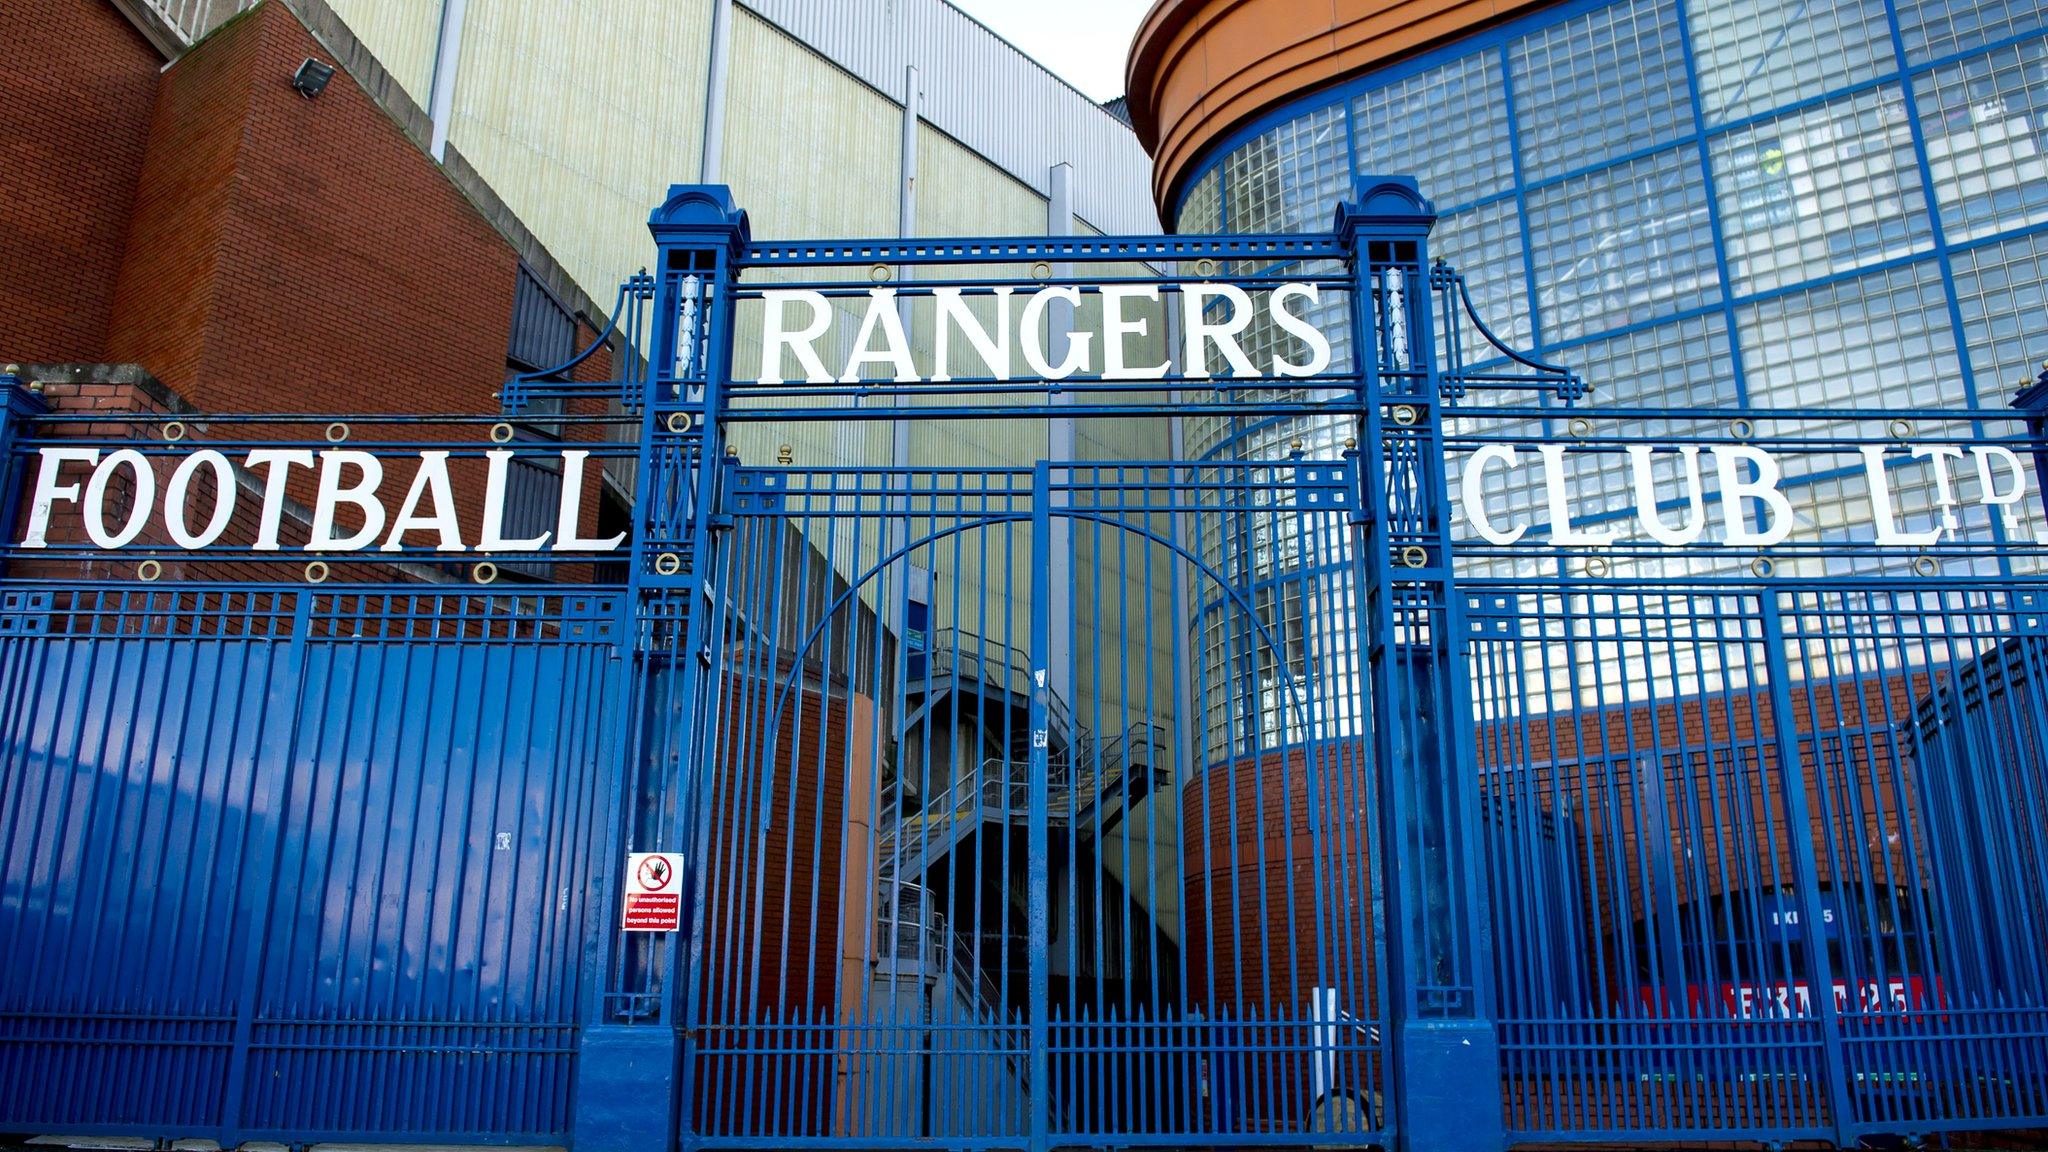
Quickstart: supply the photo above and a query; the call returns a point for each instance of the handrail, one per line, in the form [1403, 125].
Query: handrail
[1084, 773]
[986, 653]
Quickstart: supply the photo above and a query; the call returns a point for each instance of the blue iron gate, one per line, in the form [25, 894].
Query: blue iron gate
[1099, 691]
[274, 859]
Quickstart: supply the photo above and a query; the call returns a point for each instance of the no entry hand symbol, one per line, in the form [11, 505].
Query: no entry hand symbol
[655, 874]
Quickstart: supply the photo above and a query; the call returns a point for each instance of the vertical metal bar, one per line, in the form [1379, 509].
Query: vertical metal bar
[1799, 834]
[1036, 841]
[269, 787]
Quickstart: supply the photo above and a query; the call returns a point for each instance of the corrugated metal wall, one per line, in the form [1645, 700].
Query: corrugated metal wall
[985, 93]
[403, 37]
[580, 114]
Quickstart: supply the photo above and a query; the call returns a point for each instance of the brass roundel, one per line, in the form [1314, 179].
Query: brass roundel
[501, 433]
[1041, 271]
[317, 572]
[1925, 566]
[1405, 414]
[337, 432]
[1598, 567]
[175, 430]
[679, 422]
[148, 570]
[484, 572]
[668, 564]
[1741, 429]
[1580, 427]
[1900, 429]
[1762, 568]
[1414, 556]
[880, 273]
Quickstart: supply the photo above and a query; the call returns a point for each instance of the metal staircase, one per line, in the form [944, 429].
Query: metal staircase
[1092, 784]
[1091, 781]
[983, 687]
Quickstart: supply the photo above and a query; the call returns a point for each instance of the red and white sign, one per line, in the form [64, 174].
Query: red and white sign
[654, 892]
[1792, 1000]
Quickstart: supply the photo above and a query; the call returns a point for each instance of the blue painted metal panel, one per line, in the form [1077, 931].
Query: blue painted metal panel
[276, 860]
[129, 813]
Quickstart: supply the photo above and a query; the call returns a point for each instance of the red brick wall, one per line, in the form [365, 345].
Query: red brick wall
[75, 102]
[303, 255]
[1273, 910]
[770, 892]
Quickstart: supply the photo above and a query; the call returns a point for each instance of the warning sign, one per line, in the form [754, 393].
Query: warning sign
[654, 892]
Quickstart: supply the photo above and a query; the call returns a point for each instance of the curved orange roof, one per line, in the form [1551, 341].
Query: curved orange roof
[1201, 68]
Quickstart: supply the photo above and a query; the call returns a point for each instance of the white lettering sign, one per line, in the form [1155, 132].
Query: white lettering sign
[1740, 483]
[795, 324]
[115, 495]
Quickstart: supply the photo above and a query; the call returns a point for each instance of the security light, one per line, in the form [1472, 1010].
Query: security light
[312, 77]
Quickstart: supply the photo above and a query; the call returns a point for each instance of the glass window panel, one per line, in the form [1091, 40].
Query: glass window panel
[1622, 245]
[1830, 189]
[1485, 244]
[1447, 127]
[2002, 290]
[1598, 85]
[1986, 124]
[1756, 55]
[1682, 364]
[1202, 212]
[1932, 29]
[1290, 177]
[1881, 340]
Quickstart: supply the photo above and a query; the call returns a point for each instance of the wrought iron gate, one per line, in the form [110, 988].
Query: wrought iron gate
[1223, 743]
[941, 897]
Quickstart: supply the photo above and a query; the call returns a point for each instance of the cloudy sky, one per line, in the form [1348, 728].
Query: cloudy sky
[1083, 41]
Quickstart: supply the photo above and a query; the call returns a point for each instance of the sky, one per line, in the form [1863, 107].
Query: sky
[1082, 41]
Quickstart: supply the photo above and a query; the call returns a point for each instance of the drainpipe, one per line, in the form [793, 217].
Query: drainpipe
[1059, 221]
[712, 159]
[447, 61]
[906, 227]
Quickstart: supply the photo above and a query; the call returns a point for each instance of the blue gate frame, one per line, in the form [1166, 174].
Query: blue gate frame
[1463, 843]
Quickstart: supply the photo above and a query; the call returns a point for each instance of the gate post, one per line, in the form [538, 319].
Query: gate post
[632, 1087]
[18, 405]
[1444, 1072]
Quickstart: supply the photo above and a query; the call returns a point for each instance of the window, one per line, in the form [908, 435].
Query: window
[1986, 123]
[1447, 127]
[1827, 190]
[1622, 245]
[1756, 55]
[1599, 85]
